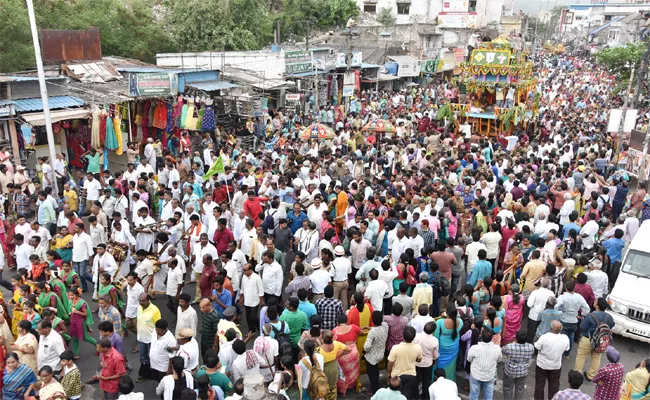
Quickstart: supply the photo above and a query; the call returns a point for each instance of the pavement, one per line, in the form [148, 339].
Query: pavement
[632, 352]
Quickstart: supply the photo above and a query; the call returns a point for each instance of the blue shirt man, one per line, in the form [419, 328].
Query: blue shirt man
[295, 221]
[567, 228]
[482, 269]
[286, 195]
[224, 297]
[615, 246]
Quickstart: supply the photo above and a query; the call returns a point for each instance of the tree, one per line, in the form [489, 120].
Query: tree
[217, 25]
[16, 50]
[620, 60]
[324, 14]
[386, 16]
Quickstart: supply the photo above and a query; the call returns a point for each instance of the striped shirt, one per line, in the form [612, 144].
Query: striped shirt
[209, 327]
[396, 325]
[518, 358]
[484, 358]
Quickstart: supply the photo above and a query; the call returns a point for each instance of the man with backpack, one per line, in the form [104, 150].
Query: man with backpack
[596, 336]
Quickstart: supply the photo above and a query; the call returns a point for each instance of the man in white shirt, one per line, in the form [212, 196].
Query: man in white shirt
[429, 344]
[376, 290]
[252, 296]
[186, 316]
[22, 252]
[174, 285]
[50, 346]
[484, 358]
[400, 244]
[188, 348]
[82, 250]
[551, 347]
[272, 276]
[149, 155]
[161, 341]
[201, 249]
[589, 231]
[92, 188]
[536, 303]
[443, 388]
[319, 278]
[472, 250]
[102, 262]
[339, 270]
[315, 211]
[597, 279]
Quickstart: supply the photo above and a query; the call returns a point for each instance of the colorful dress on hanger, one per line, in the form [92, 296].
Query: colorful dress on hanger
[183, 116]
[145, 120]
[170, 118]
[191, 117]
[94, 138]
[111, 140]
[117, 127]
[102, 126]
[199, 122]
[178, 111]
[209, 123]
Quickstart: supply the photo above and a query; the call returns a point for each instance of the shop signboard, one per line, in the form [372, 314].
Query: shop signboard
[455, 5]
[490, 57]
[355, 61]
[6, 110]
[457, 19]
[428, 66]
[348, 84]
[297, 61]
[153, 84]
[460, 55]
[448, 61]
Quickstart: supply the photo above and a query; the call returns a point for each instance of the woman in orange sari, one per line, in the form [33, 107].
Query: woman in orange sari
[360, 315]
[341, 208]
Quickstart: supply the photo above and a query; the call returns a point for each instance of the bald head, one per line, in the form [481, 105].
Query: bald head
[206, 306]
[556, 327]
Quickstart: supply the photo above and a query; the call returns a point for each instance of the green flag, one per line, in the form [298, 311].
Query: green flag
[216, 168]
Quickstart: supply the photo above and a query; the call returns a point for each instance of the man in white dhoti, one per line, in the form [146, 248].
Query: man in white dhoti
[150, 154]
[102, 262]
[144, 225]
[123, 237]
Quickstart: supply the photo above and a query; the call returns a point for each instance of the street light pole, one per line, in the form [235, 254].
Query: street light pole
[43, 86]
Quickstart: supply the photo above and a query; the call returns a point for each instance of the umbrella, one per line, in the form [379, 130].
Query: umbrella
[379, 125]
[317, 131]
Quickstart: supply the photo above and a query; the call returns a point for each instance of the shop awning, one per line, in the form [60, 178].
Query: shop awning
[38, 119]
[386, 77]
[211, 86]
[54, 102]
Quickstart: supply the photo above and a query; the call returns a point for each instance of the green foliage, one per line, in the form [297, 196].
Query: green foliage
[385, 16]
[444, 112]
[216, 25]
[619, 60]
[323, 14]
[16, 50]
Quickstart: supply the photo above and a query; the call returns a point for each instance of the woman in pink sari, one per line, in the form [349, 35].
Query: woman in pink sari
[326, 224]
[514, 305]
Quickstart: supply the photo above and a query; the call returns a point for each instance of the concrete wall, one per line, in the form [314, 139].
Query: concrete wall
[268, 64]
[420, 10]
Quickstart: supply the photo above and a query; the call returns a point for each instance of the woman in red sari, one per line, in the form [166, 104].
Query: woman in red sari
[349, 362]
[360, 314]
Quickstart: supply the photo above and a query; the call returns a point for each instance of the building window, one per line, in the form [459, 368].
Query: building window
[608, 17]
[472, 5]
[403, 8]
[370, 8]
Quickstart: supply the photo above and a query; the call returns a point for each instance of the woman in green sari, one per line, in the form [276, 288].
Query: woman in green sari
[48, 299]
[106, 288]
[69, 276]
[81, 320]
[58, 287]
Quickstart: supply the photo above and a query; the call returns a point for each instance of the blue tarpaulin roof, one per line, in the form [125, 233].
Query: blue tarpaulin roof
[212, 85]
[600, 28]
[36, 104]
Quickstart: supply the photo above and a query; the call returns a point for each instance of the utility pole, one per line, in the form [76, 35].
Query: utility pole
[43, 86]
[642, 75]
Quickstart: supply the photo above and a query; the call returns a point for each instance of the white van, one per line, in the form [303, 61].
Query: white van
[630, 297]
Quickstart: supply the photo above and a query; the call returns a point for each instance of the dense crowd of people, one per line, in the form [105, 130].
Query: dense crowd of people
[432, 252]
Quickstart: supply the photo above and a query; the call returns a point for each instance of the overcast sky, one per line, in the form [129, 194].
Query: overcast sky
[533, 6]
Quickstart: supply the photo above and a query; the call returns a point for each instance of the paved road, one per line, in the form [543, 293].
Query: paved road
[631, 353]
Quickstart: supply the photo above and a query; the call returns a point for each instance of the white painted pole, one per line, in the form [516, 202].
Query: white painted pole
[41, 81]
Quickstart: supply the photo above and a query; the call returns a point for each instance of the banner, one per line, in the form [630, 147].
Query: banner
[428, 66]
[356, 59]
[455, 5]
[490, 57]
[348, 84]
[457, 19]
[153, 84]
[630, 120]
[297, 62]
[615, 117]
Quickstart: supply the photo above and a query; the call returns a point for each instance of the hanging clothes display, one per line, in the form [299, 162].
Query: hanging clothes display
[209, 123]
[117, 127]
[111, 140]
[178, 111]
[170, 119]
[145, 120]
[94, 137]
[200, 120]
[183, 116]
[192, 116]
[102, 126]
[138, 120]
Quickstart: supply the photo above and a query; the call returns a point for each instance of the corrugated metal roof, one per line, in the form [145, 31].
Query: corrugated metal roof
[5, 102]
[403, 59]
[98, 72]
[19, 78]
[211, 86]
[600, 28]
[36, 104]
